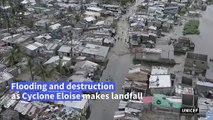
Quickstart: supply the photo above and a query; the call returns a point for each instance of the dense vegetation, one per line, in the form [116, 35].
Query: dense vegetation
[191, 27]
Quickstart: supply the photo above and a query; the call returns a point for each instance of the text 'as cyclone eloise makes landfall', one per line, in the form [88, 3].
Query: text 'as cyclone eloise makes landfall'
[63, 86]
[58, 91]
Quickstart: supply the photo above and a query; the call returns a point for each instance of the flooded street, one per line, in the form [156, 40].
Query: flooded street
[204, 41]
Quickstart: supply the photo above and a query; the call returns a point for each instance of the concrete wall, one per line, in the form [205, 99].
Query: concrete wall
[166, 91]
[151, 56]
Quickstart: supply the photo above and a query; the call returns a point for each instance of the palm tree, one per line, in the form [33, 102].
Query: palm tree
[46, 72]
[31, 65]
[60, 64]
[71, 36]
[15, 55]
[78, 16]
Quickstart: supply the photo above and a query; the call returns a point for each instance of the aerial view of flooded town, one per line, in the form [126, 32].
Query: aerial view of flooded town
[160, 50]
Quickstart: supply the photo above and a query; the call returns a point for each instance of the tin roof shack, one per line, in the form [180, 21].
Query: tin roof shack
[119, 115]
[204, 106]
[65, 50]
[90, 20]
[79, 76]
[17, 39]
[171, 10]
[183, 89]
[5, 79]
[109, 41]
[57, 111]
[145, 37]
[164, 56]
[160, 81]
[194, 14]
[148, 54]
[9, 115]
[136, 80]
[188, 80]
[42, 22]
[92, 40]
[55, 60]
[95, 53]
[196, 64]
[27, 109]
[81, 106]
[166, 27]
[6, 101]
[204, 87]
[34, 49]
[182, 45]
[133, 109]
[163, 103]
[88, 66]
[134, 39]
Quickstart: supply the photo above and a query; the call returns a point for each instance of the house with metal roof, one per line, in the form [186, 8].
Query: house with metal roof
[95, 52]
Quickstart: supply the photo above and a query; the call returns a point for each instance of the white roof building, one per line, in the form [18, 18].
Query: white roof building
[65, 49]
[159, 81]
[95, 14]
[95, 9]
[34, 46]
[100, 23]
[55, 59]
[55, 26]
[5, 76]
[89, 19]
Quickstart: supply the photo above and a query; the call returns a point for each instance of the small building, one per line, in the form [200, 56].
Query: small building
[194, 14]
[88, 66]
[136, 80]
[5, 79]
[95, 52]
[95, 9]
[34, 48]
[150, 54]
[160, 84]
[196, 64]
[55, 60]
[55, 26]
[65, 50]
[203, 86]
[160, 80]
[183, 89]
[90, 19]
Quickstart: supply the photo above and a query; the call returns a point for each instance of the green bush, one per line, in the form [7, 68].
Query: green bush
[191, 27]
[183, 11]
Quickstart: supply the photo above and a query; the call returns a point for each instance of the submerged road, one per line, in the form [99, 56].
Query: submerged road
[118, 66]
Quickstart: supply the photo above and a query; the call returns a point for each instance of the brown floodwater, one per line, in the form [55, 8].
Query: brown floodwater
[204, 41]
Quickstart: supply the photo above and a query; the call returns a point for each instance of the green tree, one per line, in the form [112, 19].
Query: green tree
[15, 55]
[78, 16]
[124, 2]
[46, 72]
[79, 117]
[31, 65]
